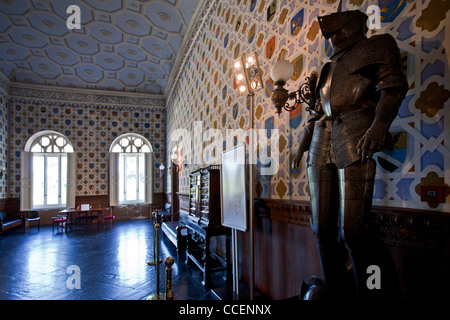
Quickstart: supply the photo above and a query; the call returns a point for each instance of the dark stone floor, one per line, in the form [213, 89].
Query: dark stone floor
[112, 263]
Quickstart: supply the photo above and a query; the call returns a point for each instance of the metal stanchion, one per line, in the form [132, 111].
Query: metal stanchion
[152, 262]
[169, 261]
[157, 296]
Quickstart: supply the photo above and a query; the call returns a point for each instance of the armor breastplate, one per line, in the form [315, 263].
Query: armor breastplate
[325, 90]
[341, 90]
[348, 91]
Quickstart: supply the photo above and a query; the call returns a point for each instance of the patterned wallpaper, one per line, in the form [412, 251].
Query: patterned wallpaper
[204, 89]
[91, 121]
[4, 98]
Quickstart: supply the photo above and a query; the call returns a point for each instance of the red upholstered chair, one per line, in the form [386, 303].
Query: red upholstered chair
[60, 221]
[109, 216]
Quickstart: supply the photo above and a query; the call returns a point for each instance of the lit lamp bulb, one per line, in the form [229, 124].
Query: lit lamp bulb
[161, 170]
[247, 75]
[281, 72]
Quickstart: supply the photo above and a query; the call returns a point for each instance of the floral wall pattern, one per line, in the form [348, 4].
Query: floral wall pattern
[204, 90]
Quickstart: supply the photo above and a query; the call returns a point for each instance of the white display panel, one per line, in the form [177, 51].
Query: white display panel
[233, 188]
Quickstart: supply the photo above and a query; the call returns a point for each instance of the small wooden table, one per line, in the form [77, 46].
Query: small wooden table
[87, 213]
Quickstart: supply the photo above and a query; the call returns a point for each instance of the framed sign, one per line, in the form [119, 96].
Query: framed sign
[233, 188]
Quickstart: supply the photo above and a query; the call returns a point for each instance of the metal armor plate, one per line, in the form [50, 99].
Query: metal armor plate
[348, 129]
[319, 149]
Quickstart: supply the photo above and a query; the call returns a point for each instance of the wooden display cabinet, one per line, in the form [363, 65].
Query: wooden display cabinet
[204, 223]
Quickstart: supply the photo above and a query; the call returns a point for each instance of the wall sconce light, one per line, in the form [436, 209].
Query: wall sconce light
[247, 74]
[281, 72]
[161, 170]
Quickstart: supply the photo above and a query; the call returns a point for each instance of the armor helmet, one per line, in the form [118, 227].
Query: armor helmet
[344, 28]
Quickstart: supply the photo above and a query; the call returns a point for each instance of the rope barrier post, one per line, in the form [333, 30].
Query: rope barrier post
[154, 235]
[157, 257]
[169, 261]
[152, 262]
[157, 296]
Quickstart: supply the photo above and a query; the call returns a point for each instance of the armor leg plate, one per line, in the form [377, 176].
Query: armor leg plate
[323, 186]
[363, 242]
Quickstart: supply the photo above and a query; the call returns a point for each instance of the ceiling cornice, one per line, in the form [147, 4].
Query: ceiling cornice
[91, 96]
[204, 9]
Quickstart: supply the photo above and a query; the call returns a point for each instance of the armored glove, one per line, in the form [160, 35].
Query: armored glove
[373, 140]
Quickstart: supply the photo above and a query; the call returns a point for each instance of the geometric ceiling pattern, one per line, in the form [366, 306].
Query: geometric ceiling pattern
[122, 45]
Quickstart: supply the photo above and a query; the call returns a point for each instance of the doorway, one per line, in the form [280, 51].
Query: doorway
[175, 200]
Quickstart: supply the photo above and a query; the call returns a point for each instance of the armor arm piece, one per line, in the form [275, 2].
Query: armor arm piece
[381, 55]
[305, 140]
[392, 86]
[390, 74]
[309, 129]
[316, 113]
[375, 137]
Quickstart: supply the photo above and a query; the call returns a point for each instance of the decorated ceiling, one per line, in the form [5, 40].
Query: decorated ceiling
[121, 45]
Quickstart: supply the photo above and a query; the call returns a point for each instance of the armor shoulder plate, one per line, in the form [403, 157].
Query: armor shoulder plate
[379, 49]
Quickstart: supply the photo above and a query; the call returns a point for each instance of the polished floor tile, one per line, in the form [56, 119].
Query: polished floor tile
[112, 264]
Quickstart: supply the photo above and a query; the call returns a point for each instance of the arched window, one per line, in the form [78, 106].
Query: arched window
[47, 172]
[131, 143]
[131, 170]
[50, 142]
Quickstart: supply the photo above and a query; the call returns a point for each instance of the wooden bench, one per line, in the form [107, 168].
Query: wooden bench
[177, 233]
[9, 222]
[172, 227]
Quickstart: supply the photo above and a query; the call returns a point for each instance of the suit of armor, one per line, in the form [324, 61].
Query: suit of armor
[359, 92]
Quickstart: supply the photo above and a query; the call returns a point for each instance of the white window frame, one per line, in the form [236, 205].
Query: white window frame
[26, 188]
[120, 149]
[47, 155]
[122, 183]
